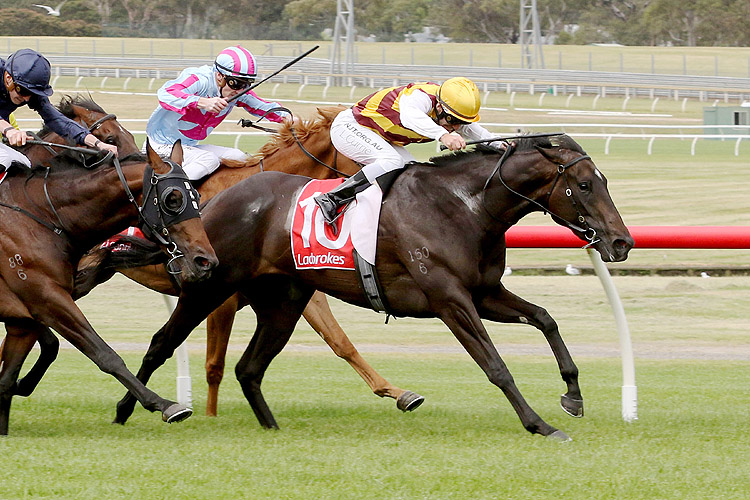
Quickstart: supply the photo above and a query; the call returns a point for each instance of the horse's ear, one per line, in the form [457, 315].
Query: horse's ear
[329, 112]
[549, 153]
[177, 155]
[154, 159]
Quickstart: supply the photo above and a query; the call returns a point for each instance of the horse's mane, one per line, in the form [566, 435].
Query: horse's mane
[66, 108]
[523, 144]
[285, 136]
[68, 160]
[562, 141]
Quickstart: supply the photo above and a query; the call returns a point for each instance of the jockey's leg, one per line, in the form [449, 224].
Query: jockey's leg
[198, 161]
[9, 156]
[363, 146]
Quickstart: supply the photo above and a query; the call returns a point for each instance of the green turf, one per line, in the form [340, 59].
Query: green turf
[338, 441]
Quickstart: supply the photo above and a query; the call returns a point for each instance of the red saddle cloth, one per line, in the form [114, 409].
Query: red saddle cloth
[114, 243]
[314, 245]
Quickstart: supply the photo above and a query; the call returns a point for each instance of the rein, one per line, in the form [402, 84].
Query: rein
[587, 231]
[245, 122]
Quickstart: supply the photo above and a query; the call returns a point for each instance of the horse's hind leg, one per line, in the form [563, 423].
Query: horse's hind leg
[278, 311]
[16, 346]
[218, 330]
[49, 347]
[318, 314]
[506, 307]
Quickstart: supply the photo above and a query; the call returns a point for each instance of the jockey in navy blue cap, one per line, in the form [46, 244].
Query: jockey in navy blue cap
[26, 76]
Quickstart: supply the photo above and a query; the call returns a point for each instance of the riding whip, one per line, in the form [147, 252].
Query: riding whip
[506, 139]
[293, 61]
[63, 146]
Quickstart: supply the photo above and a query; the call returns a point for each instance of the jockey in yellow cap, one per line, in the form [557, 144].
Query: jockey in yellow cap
[375, 130]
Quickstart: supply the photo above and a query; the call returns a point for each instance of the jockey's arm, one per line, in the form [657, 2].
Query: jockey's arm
[475, 132]
[257, 106]
[413, 109]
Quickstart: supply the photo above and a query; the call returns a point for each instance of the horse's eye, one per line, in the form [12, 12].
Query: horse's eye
[584, 186]
[174, 201]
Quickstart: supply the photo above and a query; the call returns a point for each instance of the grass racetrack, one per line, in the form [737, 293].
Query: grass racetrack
[337, 440]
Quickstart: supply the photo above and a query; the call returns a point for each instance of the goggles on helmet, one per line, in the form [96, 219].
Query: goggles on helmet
[238, 83]
[453, 120]
[22, 91]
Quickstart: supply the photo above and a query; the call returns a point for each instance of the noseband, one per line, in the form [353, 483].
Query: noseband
[587, 231]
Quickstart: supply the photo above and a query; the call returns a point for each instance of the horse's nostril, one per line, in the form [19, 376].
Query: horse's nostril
[204, 263]
[622, 246]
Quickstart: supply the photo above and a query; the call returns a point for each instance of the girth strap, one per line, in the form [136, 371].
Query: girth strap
[368, 280]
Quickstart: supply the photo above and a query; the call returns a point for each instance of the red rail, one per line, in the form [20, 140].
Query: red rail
[644, 236]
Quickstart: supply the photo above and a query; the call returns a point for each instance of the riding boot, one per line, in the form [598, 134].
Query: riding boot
[331, 201]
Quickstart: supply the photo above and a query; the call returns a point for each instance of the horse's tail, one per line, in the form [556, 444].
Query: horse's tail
[100, 264]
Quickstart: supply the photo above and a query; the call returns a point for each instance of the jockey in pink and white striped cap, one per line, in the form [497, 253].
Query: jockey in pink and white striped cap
[236, 61]
[192, 105]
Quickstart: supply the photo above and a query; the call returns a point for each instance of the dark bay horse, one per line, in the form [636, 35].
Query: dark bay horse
[455, 211]
[284, 152]
[50, 217]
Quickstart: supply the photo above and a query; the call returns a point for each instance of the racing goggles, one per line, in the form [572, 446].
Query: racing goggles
[22, 91]
[235, 83]
[453, 120]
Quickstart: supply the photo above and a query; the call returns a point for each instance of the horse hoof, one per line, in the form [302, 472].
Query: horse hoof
[559, 436]
[409, 401]
[573, 407]
[176, 413]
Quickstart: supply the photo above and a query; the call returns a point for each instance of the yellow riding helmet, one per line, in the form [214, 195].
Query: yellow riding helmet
[460, 98]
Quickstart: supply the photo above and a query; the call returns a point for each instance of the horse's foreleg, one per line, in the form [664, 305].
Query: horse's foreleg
[190, 311]
[15, 347]
[459, 314]
[218, 330]
[318, 314]
[506, 307]
[58, 311]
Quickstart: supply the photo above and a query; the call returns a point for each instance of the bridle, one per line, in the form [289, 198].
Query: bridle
[98, 123]
[249, 123]
[168, 199]
[584, 229]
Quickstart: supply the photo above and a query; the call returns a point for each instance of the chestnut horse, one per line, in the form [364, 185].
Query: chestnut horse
[284, 152]
[455, 211]
[51, 216]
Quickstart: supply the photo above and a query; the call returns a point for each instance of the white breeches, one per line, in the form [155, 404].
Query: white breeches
[365, 146]
[200, 160]
[8, 155]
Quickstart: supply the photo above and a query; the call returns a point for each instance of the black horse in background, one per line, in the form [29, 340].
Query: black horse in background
[455, 209]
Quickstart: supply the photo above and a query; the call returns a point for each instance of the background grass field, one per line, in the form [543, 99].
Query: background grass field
[337, 440]
[710, 61]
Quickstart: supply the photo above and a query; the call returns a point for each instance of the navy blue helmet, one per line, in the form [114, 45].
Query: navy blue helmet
[30, 70]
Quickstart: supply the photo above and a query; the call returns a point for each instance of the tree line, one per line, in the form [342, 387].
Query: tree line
[629, 22]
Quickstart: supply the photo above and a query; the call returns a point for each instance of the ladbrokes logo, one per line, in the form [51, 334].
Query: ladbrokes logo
[320, 260]
[314, 245]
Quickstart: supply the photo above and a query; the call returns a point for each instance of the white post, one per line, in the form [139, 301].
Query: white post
[184, 382]
[629, 389]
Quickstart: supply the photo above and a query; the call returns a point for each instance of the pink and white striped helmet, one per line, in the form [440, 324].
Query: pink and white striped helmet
[236, 61]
